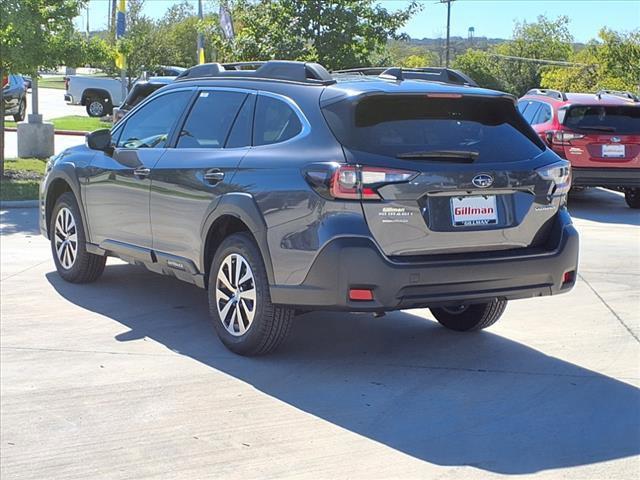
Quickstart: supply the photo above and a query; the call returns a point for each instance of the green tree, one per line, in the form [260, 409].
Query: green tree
[32, 33]
[611, 62]
[480, 67]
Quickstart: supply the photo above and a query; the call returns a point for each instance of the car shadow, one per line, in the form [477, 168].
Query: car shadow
[451, 399]
[602, 205]
[19, 220]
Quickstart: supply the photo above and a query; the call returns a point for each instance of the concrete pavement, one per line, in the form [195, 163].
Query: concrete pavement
[124, 378]
[61, 142]
[51, 104]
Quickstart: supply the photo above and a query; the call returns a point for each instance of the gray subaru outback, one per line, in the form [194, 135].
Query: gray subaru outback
[280, 189]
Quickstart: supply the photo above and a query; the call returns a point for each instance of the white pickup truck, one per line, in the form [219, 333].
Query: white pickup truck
[100, 94]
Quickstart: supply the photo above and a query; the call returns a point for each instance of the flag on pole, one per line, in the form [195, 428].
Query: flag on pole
[226, 23]
[120, 30]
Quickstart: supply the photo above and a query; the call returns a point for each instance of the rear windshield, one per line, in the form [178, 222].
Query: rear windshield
[615, 119]
[490, 128]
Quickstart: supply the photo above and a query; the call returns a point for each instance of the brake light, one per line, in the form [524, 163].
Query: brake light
[560, 174]
[562, 137]
[5, 81]
[352, 182]
[66, 83]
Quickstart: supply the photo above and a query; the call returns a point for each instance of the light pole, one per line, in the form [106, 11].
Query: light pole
[200, 35]
[448, 2]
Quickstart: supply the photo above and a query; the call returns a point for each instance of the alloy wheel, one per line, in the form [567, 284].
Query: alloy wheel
[236, 294]
[66, 238]
[96, 108]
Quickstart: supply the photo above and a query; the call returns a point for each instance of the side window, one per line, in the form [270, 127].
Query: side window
[275, 121]
[210, 119]
[543, 115]
[531, 110]
[150, 126]
[240, 135]
[522, 105]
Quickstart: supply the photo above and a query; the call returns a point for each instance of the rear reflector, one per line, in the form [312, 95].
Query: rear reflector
[569, 277]
[360, 295]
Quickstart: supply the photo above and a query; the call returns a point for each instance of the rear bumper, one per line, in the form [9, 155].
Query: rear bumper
[68, 98]
[605, 177]
[356, 262]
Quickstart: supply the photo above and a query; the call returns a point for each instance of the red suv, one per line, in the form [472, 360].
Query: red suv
[598, 133]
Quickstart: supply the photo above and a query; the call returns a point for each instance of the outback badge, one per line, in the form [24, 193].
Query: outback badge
[482, 180]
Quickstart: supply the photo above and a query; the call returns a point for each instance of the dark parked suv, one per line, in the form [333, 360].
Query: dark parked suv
[284, 190]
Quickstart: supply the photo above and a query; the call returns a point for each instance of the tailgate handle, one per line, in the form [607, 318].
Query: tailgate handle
[214, 176]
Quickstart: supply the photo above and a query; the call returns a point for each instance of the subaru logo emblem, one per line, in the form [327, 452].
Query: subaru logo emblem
[615, 139]
[482, 181]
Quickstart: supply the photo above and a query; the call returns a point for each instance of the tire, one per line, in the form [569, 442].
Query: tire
[98, 107]
[81, 266]
[632, 197]
[264, 325]
[470, 317]
[22, 110]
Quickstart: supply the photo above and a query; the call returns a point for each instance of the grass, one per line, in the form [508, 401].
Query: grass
[22, 178]
[74, 122]
[52, 82]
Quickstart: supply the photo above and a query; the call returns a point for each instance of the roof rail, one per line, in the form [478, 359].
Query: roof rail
[436, 74]
[547, 92]
[618, 93]
[283, 70]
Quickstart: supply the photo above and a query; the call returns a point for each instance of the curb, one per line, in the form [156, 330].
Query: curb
[78, 133]
[19, 204]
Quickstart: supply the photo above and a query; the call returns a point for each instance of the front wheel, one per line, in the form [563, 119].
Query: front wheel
[239, 300]
[632, 197]
[68, 243]
[464, 318]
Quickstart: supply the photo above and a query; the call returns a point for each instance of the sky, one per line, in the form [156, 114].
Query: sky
[490, 18]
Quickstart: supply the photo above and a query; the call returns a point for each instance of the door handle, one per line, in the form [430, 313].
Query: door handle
[213, 176]
[142, 172]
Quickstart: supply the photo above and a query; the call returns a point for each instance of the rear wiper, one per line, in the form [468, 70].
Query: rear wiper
[462, 156]
[597, 127]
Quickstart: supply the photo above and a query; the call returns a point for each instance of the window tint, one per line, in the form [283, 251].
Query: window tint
[522, 106]
[393, 125]
[210, 119]
[275, 121]
[240, 135]
[530, 111]
[543, 115]
[605, 119]
[150, 126]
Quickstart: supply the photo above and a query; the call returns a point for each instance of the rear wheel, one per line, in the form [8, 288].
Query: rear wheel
[463, 318]
[632, 197]
[22, 110]
[68, 243]
[239, 301]
[98, 107]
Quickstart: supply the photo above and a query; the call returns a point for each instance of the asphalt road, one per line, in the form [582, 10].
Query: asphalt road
[51, 104]
[125, 378]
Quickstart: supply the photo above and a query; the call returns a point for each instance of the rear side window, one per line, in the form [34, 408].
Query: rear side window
[275, 121]
[530, 111]
[210, 119]
[489, 128]
[240, 135]
[543, 115]
[614, 119]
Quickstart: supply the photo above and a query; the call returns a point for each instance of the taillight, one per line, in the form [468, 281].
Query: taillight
[5, 81]
[562, 137]
[560, 174]
[66, 83]
[352, 182]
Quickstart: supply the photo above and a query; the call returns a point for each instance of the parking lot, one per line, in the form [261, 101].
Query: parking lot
[125, 378]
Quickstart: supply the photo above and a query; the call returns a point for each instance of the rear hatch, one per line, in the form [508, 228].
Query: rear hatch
[601, 136]
[475, 186]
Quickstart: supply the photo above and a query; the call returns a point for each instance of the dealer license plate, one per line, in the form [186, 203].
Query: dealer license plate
[475, 210]
[613, 151]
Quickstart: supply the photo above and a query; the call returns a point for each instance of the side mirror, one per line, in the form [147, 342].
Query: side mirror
[100, 140]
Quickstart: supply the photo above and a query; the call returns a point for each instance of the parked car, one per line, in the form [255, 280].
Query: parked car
[140, 90]
[98, 94]
[284, 190]
[15, 97]
[167, 71]
[598, 133]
